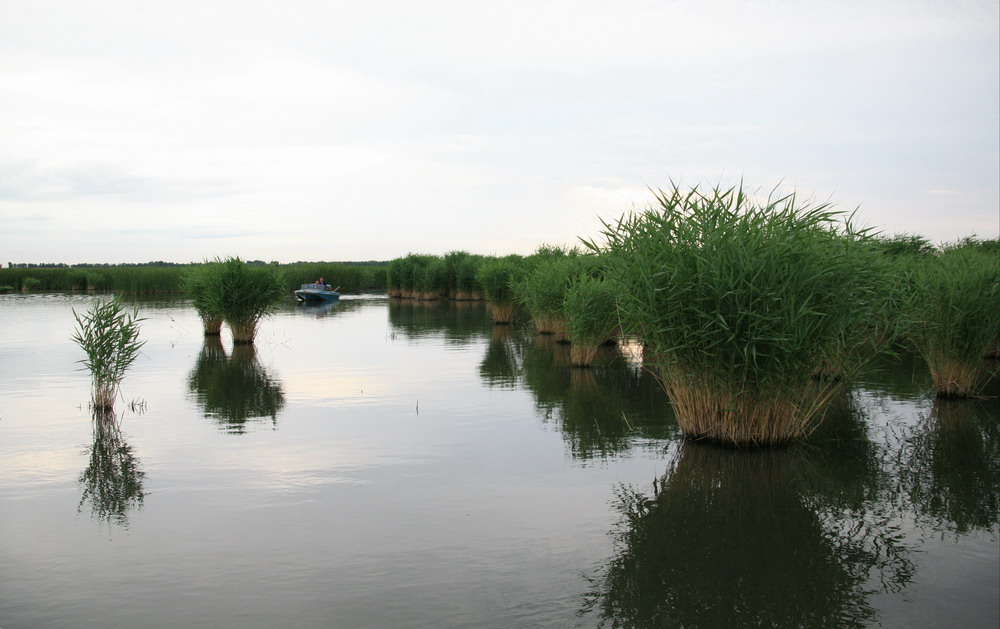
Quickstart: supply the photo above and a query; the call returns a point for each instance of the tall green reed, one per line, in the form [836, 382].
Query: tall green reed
[109, 335]
[498, 276]
[591, 313]
[739, 302]
[954, 305]
[243, 295]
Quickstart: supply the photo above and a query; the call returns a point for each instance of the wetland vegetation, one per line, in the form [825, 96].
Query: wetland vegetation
[711, 319]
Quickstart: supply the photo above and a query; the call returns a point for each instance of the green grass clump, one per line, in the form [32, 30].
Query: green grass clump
[497, 276]
[196, 284]
[242, 294]
[434, 282]
[591, 317]
[462, 267]
[542, 290]
[739, 302]
[109, 335]
[954, 306]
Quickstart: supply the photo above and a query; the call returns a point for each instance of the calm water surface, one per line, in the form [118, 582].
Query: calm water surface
[385, 464]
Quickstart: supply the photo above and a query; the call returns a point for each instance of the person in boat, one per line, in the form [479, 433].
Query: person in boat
[320, 283]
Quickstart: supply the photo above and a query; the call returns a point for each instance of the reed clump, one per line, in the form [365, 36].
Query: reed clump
[591, 317]
[542, 289]
[954, 306]
[739, 300]
[242, 294]
[497, 276]
[109, 335]
[196, 284]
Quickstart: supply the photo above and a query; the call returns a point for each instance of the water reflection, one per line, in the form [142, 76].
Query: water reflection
[500, 366]
[746, 538]
[317, 308]
[232, 390]
[112, 481]
[950, 466]
[600, 411]
[458, 322]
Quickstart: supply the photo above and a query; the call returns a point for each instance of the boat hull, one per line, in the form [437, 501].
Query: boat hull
[316, 294]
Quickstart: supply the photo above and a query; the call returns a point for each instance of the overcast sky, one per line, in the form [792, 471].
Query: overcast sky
[323, 130]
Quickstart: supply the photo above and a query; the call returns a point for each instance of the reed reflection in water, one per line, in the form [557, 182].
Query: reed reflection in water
[113, 480]
[950, 467]
[233, 390]
[747, 538]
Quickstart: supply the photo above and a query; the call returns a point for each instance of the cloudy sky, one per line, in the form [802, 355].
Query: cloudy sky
[324, 130]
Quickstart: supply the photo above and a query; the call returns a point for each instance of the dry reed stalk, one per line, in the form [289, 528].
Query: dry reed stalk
[212, 325]
[954, 378]
[503, 313]
[710, 411]
[244, 333]
[583, 355]
[551, 324]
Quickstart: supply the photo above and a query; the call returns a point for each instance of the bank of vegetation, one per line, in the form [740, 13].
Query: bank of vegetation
[754, 311]
[352, 277]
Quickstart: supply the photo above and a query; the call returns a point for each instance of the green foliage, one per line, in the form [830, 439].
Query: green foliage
[497, 276]
[953, 305]
[242, 294]
[152, 279]
[902, 245]
[351, 278]
[30, 283]
[591, 311]
[739, 301]
[109, 335]
[434, 282]
[196, 284]
[543, 288]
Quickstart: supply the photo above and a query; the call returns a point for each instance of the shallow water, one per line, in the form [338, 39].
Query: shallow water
[387, 464]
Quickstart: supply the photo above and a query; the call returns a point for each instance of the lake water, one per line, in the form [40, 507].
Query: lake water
[395, 464]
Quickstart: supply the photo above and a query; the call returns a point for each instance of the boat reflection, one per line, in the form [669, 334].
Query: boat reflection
[317, 308]
[234, 390]
[113, 480]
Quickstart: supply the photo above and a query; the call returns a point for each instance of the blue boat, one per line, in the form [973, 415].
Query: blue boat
[317, 292]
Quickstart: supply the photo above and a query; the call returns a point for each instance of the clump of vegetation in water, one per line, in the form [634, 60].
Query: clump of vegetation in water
[109, 334]
[497, 276]
[433, 281]
[243, 294]
[953, 305]
[196, 285]
[462, 268]
[591, 317]
[739, 302]
[542, 290]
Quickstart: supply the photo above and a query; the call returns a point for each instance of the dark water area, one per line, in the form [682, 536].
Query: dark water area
[376, 463]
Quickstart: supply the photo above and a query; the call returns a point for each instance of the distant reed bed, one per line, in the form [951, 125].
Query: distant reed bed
[152, 280]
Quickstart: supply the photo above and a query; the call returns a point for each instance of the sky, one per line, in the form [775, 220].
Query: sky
[133, 131]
